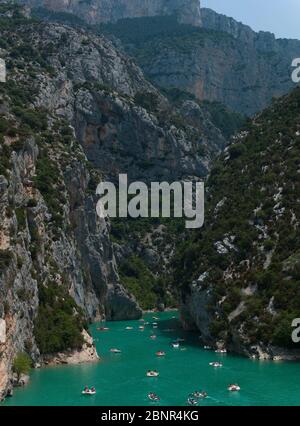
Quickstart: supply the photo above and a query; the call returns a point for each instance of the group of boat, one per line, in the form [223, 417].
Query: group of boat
[195, 397]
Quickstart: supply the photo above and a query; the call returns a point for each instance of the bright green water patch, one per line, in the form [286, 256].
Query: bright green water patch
[120, 379]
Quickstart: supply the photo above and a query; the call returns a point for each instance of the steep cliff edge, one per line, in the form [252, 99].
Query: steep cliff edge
[224, 60]
[74, 110]
[96, 11]
[240, 274]
[57, 264]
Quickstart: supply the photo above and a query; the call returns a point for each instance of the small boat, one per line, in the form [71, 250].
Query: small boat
[192, 401]
[152, 373]
[234, 388]
[153, 397]
[115, 351]
[153, 337]
[216, 364]
[155, 318]
[141, 327]
[89, 392]
[129, 328]
[221, 351]
[160, 353]
[102, 328]
[175, 345]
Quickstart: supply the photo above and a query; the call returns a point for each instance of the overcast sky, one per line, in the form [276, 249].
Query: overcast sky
[281, 17]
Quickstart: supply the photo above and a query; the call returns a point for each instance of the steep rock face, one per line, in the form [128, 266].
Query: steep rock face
[125, 126]
[56, 257]
[123, 123]
[34, 253]
[96, 11]
[222, 61]
[240, 274]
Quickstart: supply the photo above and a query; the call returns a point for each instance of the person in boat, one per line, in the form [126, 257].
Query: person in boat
[86, 389]
[93, 389]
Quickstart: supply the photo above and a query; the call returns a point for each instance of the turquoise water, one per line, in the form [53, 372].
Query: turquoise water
[120, 379]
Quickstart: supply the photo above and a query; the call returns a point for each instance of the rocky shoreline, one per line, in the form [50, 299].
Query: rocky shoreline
[198, 320]
[87, 354]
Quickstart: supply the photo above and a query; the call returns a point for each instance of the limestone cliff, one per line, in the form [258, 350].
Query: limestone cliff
[240, 274]
[96, 11]
[224, 60]
[71, 97]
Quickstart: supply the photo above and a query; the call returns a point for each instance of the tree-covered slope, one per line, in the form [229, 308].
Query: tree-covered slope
[240, 274]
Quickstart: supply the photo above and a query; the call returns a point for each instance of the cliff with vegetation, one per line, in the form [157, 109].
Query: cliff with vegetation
[75, 111]
[240, 274]
[222, 61]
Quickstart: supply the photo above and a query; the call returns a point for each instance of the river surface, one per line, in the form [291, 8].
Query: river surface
[120, 379]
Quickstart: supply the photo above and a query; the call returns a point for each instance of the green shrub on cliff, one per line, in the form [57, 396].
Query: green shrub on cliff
[59, 322]
[22, 364]
[251, 232]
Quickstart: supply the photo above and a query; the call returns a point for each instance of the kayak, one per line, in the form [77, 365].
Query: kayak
[115, 351]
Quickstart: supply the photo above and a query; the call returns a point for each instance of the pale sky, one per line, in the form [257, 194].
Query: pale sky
[281, 17]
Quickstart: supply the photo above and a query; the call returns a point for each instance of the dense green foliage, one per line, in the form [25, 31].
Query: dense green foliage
[59, 322]
[224, 119]
[139, 281]
[252, 211]
[21, 364]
